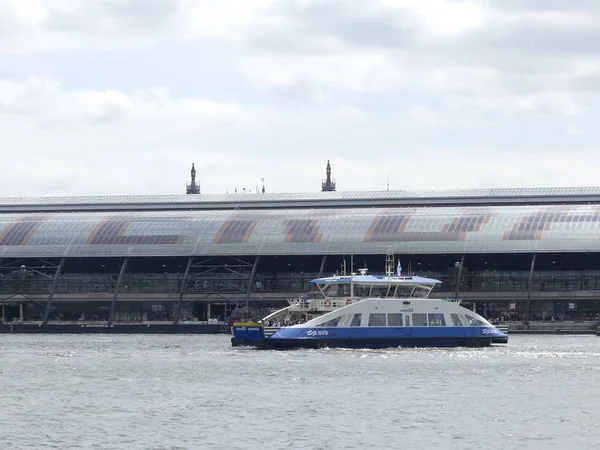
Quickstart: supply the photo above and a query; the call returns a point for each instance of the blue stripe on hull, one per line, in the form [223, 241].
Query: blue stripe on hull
[386, 332]
[368, 343]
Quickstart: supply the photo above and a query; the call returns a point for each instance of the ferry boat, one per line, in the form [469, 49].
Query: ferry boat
[369, 311]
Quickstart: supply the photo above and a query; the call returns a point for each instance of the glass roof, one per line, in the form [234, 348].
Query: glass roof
[303, 231]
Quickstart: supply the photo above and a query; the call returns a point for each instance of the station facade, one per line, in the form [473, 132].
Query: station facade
[522, 254]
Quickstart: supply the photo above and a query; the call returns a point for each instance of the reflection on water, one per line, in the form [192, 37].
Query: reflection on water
[179, 392]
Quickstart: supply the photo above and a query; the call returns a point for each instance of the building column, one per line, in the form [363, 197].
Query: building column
[459, 275]
[52, 290]
[529, 288]
[113, 304]
[21, 311]
[251, 280]
[208, 312]
[182, 290]
[322, 268]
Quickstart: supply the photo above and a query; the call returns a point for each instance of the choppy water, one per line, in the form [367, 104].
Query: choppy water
[196, 392]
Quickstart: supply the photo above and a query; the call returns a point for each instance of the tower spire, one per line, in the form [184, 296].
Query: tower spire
[329, 183]
[193, 187]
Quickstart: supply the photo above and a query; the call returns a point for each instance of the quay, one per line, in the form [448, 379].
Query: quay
[121, 328]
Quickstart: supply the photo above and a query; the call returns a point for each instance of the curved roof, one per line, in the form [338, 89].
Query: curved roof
[512, 196]
[496, 229]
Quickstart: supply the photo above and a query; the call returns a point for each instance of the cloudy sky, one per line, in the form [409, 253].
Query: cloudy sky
[121, 96]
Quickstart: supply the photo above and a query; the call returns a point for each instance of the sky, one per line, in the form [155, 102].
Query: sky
[112, 97]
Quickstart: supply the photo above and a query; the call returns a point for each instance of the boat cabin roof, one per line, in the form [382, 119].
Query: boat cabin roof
[376, 279]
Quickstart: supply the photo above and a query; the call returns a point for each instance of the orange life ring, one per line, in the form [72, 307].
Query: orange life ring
[327, 303]
[348, 301]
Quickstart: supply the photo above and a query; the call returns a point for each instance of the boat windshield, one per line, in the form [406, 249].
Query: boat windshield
[380, 289]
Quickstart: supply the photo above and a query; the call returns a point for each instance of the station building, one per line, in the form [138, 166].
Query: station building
[524, 254]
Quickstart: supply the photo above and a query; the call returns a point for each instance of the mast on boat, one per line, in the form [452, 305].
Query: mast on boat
[389, 263]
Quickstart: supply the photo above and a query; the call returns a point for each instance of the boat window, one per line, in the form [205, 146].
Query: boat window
[356, 320]
[361, 291]
[376, 320]
[330, 323]
[379, 291]
[456, 321]
[436, 320]
[394, 320]
[419, 320]
[474, 322]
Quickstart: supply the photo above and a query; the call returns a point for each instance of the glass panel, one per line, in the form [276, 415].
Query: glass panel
[330, 323]
[436, 320]
[376, 320]
[394, 320]
[419, 320]
[356, 320]
[474, 322]
[456, 320]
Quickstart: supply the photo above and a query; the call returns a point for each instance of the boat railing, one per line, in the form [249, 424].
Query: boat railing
[270, 331]
[502, 327]
[329, 303]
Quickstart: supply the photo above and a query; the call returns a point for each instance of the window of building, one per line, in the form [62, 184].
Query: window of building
[419, 320]
[356, 320]
[456, 320]
[394, 320]
[377, 320]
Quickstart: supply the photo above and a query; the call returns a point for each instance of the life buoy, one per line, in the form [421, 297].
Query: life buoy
[327, 303]
[348, 301]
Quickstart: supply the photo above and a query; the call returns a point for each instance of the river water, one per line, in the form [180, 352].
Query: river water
[196, 392]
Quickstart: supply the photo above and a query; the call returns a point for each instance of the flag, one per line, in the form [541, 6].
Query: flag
[399, 269]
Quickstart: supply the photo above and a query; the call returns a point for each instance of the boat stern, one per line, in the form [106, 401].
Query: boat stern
[246, 333]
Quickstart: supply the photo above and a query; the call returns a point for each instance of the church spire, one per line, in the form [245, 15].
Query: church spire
[328, 184]
[193, 188]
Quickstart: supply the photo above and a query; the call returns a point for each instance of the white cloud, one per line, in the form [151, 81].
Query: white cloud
[48, 25]
[47, 102]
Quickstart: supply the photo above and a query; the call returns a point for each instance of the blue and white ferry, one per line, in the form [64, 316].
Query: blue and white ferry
[368, 311]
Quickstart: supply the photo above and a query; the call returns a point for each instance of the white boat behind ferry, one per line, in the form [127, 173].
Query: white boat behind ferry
[367, 311]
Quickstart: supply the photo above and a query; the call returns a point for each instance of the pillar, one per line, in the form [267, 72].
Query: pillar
[113, 303]
[458, 277]
[251, 280]
[529, 288]
[52, 290]
[182, 290]
[322, 268]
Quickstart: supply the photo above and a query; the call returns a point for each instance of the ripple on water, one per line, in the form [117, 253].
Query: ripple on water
[187, 392]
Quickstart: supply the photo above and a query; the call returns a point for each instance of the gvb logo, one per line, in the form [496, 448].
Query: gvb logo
[313, 333]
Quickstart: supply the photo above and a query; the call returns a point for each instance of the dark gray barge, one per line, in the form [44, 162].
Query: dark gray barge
[92, 328]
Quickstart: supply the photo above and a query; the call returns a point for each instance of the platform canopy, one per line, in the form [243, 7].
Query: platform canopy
[301, 231]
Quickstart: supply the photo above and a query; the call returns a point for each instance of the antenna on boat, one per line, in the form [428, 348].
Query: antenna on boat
[389, 263]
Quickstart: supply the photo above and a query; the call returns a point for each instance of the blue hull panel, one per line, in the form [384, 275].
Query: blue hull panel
[373, 343]
[371, 337]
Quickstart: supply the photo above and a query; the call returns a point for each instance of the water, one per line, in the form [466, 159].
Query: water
[196, 392]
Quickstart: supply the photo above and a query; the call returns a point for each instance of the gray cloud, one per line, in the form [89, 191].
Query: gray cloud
[354, 24]
[518, 48]
[583, 6]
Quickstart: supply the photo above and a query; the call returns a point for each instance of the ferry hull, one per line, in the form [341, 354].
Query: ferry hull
[252, 334]
[369, 343]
